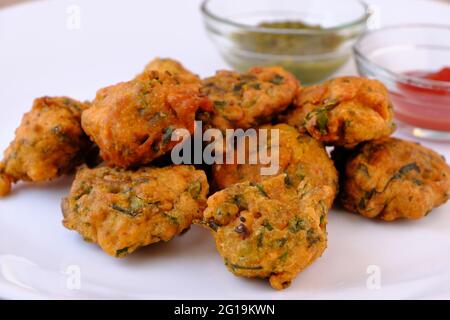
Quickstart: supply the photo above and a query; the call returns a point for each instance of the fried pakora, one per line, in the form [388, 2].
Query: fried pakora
[248, 99]
[269, 229]
[123, 210]
[343, 111]
[173, 67]
[132, 122]
[392, 179]
[49, 143]
[5, 182]
[300, 157]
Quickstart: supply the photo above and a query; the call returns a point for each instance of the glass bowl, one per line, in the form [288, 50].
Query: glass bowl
[260, 32]
[403, 58]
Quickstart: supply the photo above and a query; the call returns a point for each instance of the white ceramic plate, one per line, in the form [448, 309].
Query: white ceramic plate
[41, 54]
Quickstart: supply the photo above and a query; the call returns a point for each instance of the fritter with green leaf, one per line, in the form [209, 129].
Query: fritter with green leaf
[132, 122]
[270, 229]
[49, 143]
[301, 157]
[343, 111]
[392, 179]
[123, 210]
[245, 100]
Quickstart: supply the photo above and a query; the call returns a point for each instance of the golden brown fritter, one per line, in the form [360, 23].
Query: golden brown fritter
[173, 67]
[392, 179]
[49, 143]
[124, 210]
[249, 99]
[301, 158]
[268, 230]
[5, 182]
[132, 122]
[343, 111]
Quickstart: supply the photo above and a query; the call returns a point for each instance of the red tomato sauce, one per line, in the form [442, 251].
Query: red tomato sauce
[424, 107]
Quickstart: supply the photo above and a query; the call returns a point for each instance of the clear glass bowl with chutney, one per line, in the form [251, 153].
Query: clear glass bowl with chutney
[413, 61]
[310, 38]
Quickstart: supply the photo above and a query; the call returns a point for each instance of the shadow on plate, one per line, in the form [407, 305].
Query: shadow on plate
[59, 184]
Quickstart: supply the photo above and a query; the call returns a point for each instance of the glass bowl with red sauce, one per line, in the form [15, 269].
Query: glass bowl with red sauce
[413, 61]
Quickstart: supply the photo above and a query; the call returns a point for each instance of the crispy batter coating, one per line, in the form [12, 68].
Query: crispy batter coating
[268, 230]
[392, 179]
[5, 182]
[343, 111]
[132, 122]
[301, 158]
[173, 67]
[123, 210]
[49, 142]
[248, 99]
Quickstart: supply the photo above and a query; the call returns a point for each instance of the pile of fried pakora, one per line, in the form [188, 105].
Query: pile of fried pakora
[127, 194]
